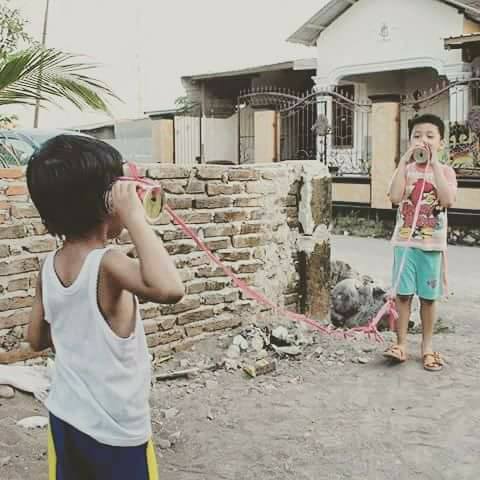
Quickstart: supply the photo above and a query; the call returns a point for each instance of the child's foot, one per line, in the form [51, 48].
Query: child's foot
[432, 362]
[396, 353]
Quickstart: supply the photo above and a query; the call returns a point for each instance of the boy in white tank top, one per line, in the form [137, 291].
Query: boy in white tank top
[86, 308]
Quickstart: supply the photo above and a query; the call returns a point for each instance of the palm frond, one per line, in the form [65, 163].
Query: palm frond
[50, 75]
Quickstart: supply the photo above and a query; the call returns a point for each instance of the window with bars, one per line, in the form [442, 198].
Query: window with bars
[343, 118]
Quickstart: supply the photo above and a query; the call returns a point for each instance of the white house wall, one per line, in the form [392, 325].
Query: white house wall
[187, 139]
[220, 138]
[413, 33]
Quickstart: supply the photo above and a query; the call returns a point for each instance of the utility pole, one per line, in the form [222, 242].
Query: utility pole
[138, 58]
[44, 42]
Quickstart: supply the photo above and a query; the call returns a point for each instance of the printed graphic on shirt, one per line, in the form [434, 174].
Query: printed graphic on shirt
[430, 219]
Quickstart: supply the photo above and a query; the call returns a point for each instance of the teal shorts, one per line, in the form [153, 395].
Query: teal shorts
[421, 275]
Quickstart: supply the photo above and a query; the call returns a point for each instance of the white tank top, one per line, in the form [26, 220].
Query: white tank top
[102, 382]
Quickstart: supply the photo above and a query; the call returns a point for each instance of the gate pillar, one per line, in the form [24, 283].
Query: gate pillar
[385, 146]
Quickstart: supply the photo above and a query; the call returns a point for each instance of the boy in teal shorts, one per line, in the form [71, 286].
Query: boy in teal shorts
[420, 247]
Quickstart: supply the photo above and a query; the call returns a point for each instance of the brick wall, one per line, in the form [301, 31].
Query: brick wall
[248, 216]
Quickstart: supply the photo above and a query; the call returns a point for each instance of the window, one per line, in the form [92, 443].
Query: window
[343, 117]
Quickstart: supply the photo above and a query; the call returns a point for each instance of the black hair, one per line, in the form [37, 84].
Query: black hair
[67, 179]
[427, 118]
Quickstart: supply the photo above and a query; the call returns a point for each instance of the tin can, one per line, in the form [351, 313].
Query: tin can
[422, 154]
[150, 194]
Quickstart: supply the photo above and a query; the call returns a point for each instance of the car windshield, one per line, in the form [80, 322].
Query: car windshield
[14, 150]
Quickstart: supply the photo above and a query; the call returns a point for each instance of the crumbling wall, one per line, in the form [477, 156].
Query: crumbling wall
[248, 216]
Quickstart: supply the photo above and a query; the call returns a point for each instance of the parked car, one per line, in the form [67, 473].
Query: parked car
[17, 145]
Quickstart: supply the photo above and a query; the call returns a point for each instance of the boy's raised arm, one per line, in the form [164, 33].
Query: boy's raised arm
[154, 275]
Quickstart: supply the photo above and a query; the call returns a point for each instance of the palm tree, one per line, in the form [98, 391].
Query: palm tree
[49, 75]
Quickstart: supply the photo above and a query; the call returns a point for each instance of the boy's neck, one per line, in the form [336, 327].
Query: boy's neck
[91, 241]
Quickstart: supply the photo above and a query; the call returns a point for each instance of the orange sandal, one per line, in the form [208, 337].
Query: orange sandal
[396, 353]
[432, 362]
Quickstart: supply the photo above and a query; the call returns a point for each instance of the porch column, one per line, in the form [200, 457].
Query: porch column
[385, 146]
[459, 101]
[324, 107]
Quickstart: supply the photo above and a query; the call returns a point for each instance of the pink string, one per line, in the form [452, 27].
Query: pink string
[371, 329]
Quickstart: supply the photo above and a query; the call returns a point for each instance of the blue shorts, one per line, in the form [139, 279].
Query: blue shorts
[421, 275]
[72, 455]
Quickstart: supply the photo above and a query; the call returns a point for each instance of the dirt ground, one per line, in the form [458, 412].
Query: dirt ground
[319, 416]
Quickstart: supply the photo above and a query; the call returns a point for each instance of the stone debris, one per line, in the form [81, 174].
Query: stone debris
[233, 351]
[177, 374]
[292, 351]
[241, 343]
[169, 413]
[356, 301]
[184, 364]
[281, 337]
[261, 354]
[210, 415]
[31, 423]
[158, 361]
[258, 343]
[363, 360]
[252, 347]
[6, 392]
[231, 364]
[261, 367]
[355, 298]
[174, 438]
[163, 443]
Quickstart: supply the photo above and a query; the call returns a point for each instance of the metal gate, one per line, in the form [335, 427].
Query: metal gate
[246, 131]
[336, 130]
[294, 137]
[298, 139]
[330, 126]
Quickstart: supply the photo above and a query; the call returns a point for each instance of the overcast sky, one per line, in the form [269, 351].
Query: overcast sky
[144, 46]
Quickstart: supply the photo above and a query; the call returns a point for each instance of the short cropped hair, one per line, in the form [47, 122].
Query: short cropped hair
[427, 118]
[67, 179]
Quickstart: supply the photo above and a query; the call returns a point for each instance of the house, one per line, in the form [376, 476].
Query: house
[226, 117]
[469, 44]
[373, 65]
[393, 53]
